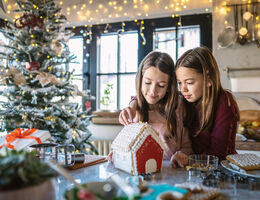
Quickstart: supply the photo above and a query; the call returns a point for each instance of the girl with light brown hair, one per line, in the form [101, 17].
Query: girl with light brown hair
[217, 115]
[159, 104]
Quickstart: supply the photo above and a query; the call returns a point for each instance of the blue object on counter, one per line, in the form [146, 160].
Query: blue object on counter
[156, 190]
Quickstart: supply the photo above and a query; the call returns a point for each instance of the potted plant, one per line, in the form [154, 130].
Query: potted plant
[25, 177]
[105, 99]
[106, 115]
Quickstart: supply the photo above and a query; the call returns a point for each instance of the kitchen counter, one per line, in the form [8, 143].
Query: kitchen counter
[254, 146]
[168, 175]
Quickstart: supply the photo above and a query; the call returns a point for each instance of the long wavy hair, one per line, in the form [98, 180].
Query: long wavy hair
[202, 60]
[168, 104]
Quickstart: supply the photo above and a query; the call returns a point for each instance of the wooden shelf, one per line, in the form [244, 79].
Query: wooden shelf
[106, 117]
[105, 120]
[254, 146]
[105, 113]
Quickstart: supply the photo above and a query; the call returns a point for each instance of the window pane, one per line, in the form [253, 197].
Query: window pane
[108, 54]
[189, 37]
[110, 99]
[76, 48]
[164, 40]
[128, 52]
[127, 89]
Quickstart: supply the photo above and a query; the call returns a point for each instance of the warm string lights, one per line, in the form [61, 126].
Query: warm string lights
[90, 11]
[97, 11]
[106, 28]
[141, 32]
[179, 19]
[88, 32]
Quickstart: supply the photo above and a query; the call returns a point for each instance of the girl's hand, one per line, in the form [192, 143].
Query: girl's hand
[127, 115]
[110, 156]
[179, 159]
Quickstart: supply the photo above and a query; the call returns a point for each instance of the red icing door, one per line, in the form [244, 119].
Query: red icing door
[150, 149]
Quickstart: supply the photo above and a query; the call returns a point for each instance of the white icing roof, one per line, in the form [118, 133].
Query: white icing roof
[132, 135]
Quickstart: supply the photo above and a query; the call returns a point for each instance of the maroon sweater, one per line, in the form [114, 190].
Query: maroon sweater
[220, 141]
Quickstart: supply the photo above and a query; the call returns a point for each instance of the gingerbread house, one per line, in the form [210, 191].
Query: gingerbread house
[137, 149]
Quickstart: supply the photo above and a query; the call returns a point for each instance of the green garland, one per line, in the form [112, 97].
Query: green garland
[20, 169]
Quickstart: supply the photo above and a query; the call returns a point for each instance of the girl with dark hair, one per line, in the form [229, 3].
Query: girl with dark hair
[158, 103]
[217, 113]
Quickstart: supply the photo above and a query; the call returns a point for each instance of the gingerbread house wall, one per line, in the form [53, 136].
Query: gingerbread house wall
[149, 153]
[123, 161]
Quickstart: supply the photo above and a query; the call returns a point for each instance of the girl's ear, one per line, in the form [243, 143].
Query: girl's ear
[209, 83]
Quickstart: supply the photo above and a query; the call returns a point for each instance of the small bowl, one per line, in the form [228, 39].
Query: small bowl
[203, 162]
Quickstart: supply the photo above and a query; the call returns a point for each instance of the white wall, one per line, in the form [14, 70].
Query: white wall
[238, 56]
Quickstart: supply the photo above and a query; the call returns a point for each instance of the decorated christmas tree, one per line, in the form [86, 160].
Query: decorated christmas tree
[38, 86]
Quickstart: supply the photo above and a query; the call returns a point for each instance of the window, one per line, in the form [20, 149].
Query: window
[75, 45]
[114, 58]
[165, 40]
[187, 37]
[117, 66]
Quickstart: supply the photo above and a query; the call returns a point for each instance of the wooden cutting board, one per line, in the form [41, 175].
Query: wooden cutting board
[89, 161]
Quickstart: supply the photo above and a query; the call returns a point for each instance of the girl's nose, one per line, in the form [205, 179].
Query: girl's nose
[153, 89]
[184, 88]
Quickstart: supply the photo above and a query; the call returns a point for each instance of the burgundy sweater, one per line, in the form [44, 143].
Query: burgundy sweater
[220, 141]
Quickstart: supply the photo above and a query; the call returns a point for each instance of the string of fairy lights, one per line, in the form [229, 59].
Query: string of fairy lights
[93, 12]
[98, 11]
[108, 10]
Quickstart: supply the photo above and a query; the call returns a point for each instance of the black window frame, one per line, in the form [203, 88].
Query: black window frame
[117, 73]
[90, 49]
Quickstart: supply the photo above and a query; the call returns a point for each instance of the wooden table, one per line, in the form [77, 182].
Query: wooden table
[168, 175]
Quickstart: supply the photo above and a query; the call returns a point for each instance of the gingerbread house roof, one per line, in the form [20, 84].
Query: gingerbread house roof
[133, 135]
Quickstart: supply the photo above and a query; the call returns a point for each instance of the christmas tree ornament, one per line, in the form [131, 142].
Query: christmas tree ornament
[87, 105]
[17, 77]
[30, 20]
[46, 78]
[32, 66]
[34, 100]
[56, 47]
